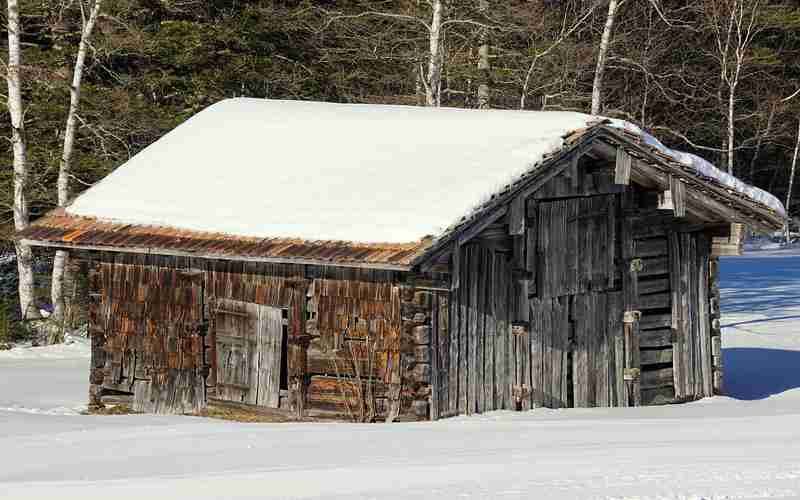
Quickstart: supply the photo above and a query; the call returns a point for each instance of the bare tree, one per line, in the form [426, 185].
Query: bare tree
[566, 30]
[20, 205]
[433, 80]
[605, 41]
[791, 181]
[484, 64]
[65, 167]
[734, 23]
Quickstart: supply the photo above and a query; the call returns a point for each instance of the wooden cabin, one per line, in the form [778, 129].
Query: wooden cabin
[585, 278]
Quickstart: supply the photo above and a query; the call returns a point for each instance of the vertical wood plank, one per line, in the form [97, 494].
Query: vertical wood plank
[435, 348]
[686, 312]
[703, 322]
[537, 335]
[480, 337]
[490, 331]
[678, 357]
[472, 337]
[464, 328]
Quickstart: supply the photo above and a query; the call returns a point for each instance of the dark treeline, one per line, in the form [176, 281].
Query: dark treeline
[154, 63]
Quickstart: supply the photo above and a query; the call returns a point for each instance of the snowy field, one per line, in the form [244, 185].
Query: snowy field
[746, 445]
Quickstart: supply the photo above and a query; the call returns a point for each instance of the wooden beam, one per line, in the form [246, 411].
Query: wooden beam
[516, 218]
[484, 223]
[622, 170]
[235, 258]
[678, 190]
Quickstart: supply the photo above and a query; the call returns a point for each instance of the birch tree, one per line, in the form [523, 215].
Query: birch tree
[484, 64]
[791, 181]
[602, 55]
[64, 172]
[24, 253]
[734, 23]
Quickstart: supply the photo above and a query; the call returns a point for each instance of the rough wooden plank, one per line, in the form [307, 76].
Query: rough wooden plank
[656, 356]
[678, 190]
[453, 360]
[433, 358]
[622, 170]
[654, 266]
[480, 337]
[655, 321]
[658, 396]
[652, 247]
[617, 339]
[475, 271]
[662, 337]
[689, 302]
[662, 377]
[516, 217]
[500, 297]
[579, 375]
[490, 332]
[653, 285]
[270, 341]
[464, 328]
[703, 324]
[654, 301]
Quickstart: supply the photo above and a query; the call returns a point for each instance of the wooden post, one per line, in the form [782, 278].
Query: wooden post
[298, 366]
[632, 374]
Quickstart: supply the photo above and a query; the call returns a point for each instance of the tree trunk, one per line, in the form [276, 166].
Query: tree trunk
[21, 216]
[791, 182]
[605, 41]
[60, 261]
[433, 85]
[731, 126]
[484, 65]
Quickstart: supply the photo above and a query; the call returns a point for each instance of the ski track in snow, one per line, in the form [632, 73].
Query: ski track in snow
[745, 446]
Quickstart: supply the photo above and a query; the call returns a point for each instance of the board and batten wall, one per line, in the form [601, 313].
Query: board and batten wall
[595, 299]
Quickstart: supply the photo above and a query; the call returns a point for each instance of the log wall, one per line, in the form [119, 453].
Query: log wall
[356, 343]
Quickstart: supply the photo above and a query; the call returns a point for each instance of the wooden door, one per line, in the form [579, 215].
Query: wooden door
[691, 348]
[249, 339]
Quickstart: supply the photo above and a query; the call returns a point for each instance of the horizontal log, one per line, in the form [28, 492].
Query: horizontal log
[658, 396]
[655, 321]
[656, 356]
[652, 247]
[653, 285]
[654, 301]
[652, 379]
[661, 337]
[421, 373]
[335, 389]
[654, 265]
[329, 363]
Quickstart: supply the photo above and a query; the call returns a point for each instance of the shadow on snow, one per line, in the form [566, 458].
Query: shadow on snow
[758, 373]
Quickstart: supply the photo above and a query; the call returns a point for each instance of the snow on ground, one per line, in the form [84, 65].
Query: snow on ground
[738, 447]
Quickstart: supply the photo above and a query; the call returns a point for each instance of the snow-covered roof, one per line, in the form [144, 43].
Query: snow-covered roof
[321, 171]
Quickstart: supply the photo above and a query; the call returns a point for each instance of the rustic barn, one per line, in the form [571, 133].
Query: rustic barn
[397, 263]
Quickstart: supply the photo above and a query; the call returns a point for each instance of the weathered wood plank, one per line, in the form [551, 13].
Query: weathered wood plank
[662, 337]
[654, 301]
[475, 271]
[480, 337]
[500, 297]
[651, 247]
[464, 329]
[704, 326]
[676, 320]
[490, 332]
[662, 377]
[622, 170]
[653, 285]
[656, 356]
[434, 350]
[658, 396]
